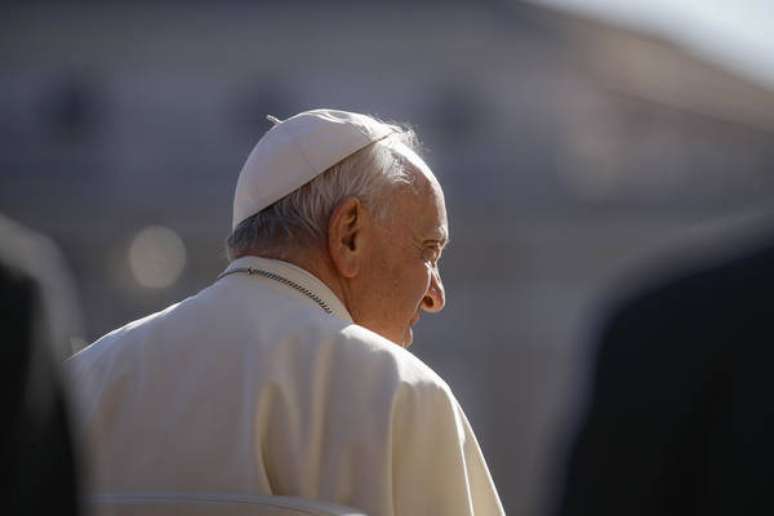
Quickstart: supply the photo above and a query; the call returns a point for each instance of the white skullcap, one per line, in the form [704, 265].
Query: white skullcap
[297, 150]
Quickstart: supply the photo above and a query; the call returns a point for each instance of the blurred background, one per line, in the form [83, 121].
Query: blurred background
[584, 147]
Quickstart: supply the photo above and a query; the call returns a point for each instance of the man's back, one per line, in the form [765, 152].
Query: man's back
[250, 387]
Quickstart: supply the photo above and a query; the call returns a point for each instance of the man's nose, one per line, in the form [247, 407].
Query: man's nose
[435, 297]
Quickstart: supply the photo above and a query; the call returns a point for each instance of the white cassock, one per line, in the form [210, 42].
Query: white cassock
[250, 387]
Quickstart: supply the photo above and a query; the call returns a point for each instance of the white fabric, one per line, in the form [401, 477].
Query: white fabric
[250, 387]
[297, 150]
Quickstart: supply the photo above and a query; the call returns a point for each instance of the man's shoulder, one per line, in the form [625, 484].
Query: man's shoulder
[129, 330]
[373, 350]
[284, 329]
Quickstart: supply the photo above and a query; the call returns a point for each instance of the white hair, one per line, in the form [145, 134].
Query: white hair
[301, 217]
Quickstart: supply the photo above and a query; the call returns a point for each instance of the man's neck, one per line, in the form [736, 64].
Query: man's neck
[318, 264]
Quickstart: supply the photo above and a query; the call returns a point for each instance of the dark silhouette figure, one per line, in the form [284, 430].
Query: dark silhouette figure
[38, 473]
[681, 416]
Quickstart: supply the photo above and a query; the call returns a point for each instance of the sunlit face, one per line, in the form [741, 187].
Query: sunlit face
[402, 273]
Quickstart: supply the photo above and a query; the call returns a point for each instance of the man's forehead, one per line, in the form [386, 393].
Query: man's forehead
[433, 229]
[413, 158]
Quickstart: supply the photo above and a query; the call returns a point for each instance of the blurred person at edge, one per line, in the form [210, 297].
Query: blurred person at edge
[40, 467]
[680, 420]
[288, 376]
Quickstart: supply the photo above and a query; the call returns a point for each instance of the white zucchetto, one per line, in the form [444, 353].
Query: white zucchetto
[297, 150]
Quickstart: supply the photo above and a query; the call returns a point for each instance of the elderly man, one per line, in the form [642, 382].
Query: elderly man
[288, 376]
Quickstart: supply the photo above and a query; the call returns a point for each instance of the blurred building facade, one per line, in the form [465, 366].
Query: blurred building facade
[571, 153]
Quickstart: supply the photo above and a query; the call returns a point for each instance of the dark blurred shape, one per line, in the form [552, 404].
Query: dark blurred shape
[166, 504]
[74, 110]
[457, 112]
[680, 419]
[40, 258]
[38, 474]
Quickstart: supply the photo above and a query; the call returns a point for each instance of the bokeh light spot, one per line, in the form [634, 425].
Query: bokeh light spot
[157, 257]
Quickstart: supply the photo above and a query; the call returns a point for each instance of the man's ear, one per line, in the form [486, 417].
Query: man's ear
[346, 236]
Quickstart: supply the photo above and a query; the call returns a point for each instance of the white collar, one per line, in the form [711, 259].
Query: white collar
[294, 274]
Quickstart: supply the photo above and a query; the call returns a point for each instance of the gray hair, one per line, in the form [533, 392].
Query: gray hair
[301, 217]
